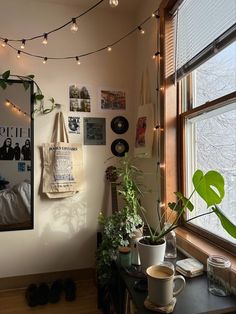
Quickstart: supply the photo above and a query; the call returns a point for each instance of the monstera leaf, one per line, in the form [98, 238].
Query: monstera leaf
[209, 186]
[226, 223]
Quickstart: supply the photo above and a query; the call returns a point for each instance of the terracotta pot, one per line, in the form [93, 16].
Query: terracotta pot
[151, 254]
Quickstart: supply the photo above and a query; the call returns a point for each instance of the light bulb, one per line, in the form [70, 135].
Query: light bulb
[77, 59]
[45, 60]
[4, 43]
[142, 31]
[23, 44]
[18, 54]
[7, 103]
[74, 26]
[156, 55]
[113, 3]
[109, 48]
[45, 39]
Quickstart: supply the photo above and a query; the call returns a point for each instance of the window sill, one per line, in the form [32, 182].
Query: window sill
[200, 248]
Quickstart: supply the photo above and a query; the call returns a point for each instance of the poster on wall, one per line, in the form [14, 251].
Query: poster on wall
[94, 131]
[140, 132]
[15, 143]
[74, 125]
[79, 98]
[113, 100]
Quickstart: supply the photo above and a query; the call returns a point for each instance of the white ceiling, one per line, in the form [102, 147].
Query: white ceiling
[124, 5]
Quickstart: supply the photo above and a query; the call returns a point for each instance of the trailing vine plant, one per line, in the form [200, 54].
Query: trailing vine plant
[38, 96]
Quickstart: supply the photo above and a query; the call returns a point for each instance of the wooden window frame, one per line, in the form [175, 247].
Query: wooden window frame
[190, 113]
[172, 154]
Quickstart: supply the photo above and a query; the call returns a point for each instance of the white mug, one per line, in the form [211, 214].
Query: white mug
[161, 284]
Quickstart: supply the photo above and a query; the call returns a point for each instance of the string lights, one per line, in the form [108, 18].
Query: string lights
[4, 43]
[22, 44]
[77, 60]
[42, 36]
[16, 108]
[45, 40]
[113, 3]
[74, 26]
[142, 31]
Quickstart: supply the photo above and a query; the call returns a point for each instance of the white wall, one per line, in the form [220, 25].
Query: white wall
[146, 47]
[64, 234]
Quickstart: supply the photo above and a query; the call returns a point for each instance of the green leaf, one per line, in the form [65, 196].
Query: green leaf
[209, 186]
[39, 97]
[3, 84]
[174, 206]
[6, 75]
[226, 223]
[186, 202]
[26, 84]
[45, 111]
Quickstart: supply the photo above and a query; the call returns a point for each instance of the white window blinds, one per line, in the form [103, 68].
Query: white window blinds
[200, 24]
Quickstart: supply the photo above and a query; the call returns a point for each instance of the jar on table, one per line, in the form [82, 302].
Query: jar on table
[218, 275]
[124, 258]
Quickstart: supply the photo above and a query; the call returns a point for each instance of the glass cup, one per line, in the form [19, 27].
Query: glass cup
[218, 275]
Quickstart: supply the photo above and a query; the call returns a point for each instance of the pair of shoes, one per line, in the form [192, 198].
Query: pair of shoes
[56, 291]
[37, 295]
[70, 289]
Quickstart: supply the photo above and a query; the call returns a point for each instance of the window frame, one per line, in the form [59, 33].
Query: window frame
[183, 116]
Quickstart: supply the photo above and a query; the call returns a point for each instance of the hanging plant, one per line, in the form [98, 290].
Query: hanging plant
[38, 96]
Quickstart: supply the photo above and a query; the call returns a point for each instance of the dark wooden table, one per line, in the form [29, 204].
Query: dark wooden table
[195, 298]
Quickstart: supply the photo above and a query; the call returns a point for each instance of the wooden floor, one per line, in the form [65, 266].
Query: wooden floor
[13, 302]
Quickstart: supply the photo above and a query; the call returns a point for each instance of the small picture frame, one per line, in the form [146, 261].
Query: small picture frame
[94, 131]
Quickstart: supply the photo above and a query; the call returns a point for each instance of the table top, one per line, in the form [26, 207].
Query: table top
[195, 298]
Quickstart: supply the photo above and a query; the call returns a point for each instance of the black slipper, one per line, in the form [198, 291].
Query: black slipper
[31, 295]
[43, 293]
[55, 291]
[70, 289]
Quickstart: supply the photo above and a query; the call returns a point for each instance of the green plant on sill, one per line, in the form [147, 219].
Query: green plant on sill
[209, 186]
[37, 96]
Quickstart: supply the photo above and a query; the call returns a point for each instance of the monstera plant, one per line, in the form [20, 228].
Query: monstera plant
[210, 187]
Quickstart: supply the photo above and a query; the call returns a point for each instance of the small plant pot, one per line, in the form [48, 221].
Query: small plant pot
[151, 254]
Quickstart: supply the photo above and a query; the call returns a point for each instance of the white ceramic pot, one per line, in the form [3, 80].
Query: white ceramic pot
[151, 254]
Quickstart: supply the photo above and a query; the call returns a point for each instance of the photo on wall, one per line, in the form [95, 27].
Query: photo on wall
[113, 100]
[94, 131]
[74, 125]
[79, 99]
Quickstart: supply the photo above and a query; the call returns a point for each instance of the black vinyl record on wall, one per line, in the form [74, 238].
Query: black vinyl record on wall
[119, 125]
[119, 147]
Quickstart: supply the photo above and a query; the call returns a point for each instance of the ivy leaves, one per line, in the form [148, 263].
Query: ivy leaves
[27, 81]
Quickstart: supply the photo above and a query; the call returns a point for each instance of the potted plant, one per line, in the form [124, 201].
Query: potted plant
[210, 187]
[124, 224]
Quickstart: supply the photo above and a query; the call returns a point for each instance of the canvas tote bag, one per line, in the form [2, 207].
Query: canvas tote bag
[62, 163]
[145, 121]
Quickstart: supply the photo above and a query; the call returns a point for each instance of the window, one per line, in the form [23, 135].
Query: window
[209, 130]
[205, 69]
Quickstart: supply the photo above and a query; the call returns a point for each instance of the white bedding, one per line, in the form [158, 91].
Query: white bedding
[15, 204]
